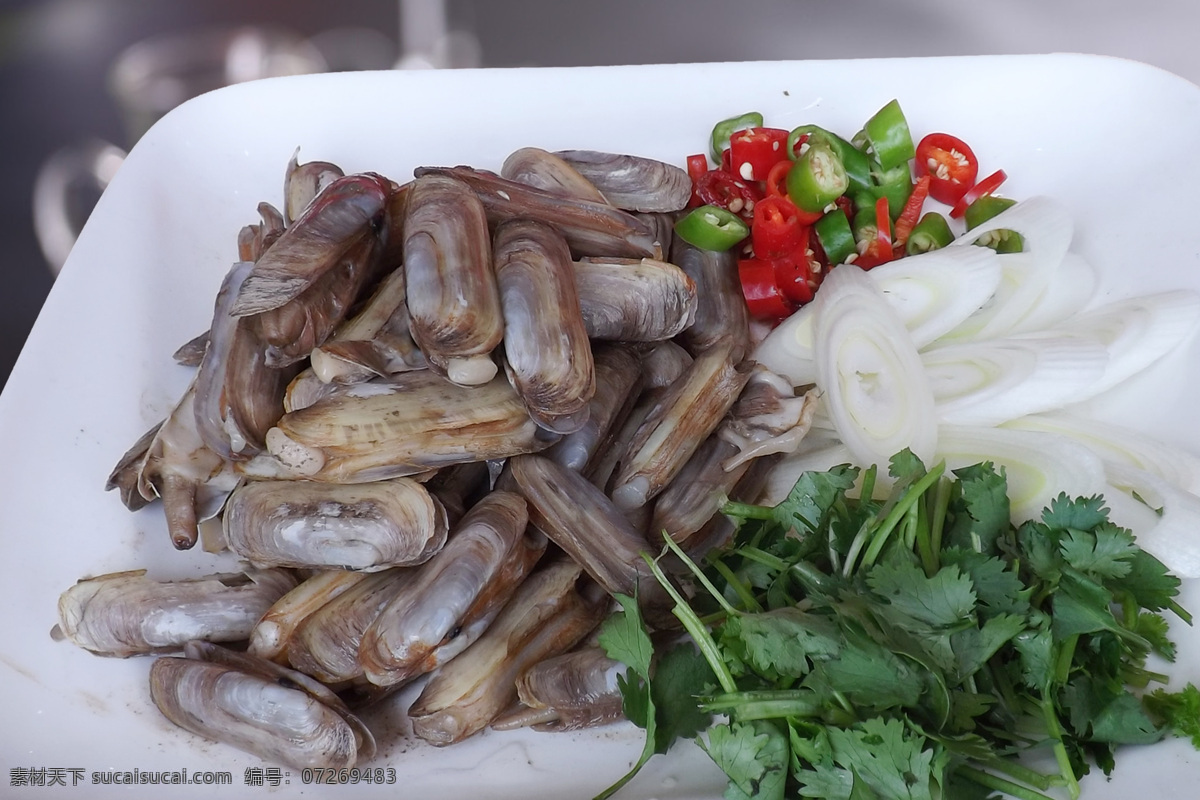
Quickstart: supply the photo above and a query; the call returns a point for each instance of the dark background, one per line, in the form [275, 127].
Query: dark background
[55, 54]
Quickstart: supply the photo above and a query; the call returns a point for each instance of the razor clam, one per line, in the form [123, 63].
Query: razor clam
[592, 229]
[238, 397]
[618, 382]
[271, 634]
[767, 418]
[272, 712]
[376, 342]
[721, 314]
[543, 170]
[192, 480]
[452, 599]
[719, 530]
[546, 348]
[550, 612]
[126, 473]
[363, 526]
[127, 613]
[254, 240]
[634, 300]
[191, 352]
[293, 329]
[303, 182]
[581, 520]
[568, 692]
[422, 422]
[663, 363]
[632, 182]
[687, 412]
[454, 304]
[458, 487]
[325, 643]
[350, 210]
[662, 225]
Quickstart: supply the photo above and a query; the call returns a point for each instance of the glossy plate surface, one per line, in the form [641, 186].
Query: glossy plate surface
[1114, 140]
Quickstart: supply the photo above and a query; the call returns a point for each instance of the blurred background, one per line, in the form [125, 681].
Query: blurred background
[81, 79]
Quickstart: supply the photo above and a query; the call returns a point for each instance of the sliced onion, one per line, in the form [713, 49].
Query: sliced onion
[993, 381]
[932, 292]
[1172, 537]
[1046, 228]
[1070, 290]
[1137, 331]
[1038, 465]
[875, 388]
[1120, 445]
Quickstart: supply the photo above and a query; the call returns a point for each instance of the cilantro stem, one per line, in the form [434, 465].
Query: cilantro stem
[762, 557]
[1000, 784]
[1062, 664]
[692, 624]
[1060, 750]
[941, 502]
[766, 704]
[696, 571]
[880, 533]
[732, 508]
[1180, 611]
[739, 588]
[868, 484]
[1023, 774]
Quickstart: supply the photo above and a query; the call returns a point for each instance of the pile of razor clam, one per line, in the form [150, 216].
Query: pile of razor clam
[438, 420]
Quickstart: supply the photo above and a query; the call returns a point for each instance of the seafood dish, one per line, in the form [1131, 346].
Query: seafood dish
[414, 426]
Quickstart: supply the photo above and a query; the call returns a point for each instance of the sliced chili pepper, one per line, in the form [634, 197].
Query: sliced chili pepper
[777, 187]
[950, 163]
[895, 184]
[879, 247]
[817, 179]
[776, 229]
[726, 164]
[764, 298]
[720, 188]
[724, 129]
[887, 131]
[836, 238]
[986, 186]
[856, 163]
[794, 273]
[697, 165]
[983, 209]
[932, 233]
[912, 211]
[711, 228]
[754, 151]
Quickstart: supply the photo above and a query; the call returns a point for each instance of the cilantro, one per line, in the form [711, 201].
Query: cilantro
[913, 646]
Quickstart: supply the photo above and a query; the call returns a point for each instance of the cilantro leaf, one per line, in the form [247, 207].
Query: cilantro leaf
[1124, 721]
[944, 600]
[812, 497]
[1179, 711]
[974, 646]
[1036, 651]
[754, 755]
[680, 677]
[1081, 513]
[997, 587]
[624, 638]
[870, 675]
[979, 508]
[783, 641]
[891, 764]
[1148, 581]
[1104, 552]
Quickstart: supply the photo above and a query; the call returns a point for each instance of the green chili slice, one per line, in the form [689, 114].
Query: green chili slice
[983, 209]
[856, 163]
[888, 134]
[895, 184]
[835, 236]
[817, 179]
[931, 233]
[726, 128]
[712, 228]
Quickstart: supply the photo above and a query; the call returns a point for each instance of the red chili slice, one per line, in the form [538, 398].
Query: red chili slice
[764, 299]
[754, 151]
[697, 165]
[912, 212]
[879, 249]
[951, 165]
[777, 187]
[776, 229]
[719, 188]
[986, 186]
[794, 273]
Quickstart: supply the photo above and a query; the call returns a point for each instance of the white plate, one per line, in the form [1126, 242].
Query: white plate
[1114, 140]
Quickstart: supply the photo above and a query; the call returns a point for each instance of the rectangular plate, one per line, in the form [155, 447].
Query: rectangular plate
[1114, 140]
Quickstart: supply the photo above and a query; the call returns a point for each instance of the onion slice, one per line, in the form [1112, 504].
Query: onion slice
[1172, 535]
[875, 388]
